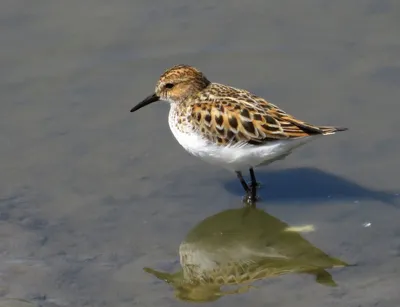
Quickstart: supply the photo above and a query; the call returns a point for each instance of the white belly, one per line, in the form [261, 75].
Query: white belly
[237, 157]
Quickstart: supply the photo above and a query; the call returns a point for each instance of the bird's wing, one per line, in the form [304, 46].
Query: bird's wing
[232, 116]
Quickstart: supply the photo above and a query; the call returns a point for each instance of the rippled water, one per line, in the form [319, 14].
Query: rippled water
[93, 198]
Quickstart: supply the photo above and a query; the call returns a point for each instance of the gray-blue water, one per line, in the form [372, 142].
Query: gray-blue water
[91, 194]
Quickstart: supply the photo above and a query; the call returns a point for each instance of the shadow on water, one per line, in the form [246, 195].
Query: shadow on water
[311, 185]
[238, 246]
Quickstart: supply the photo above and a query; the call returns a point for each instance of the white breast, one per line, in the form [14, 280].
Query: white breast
[237, 157]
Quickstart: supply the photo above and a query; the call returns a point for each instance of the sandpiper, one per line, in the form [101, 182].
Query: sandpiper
[228, 126]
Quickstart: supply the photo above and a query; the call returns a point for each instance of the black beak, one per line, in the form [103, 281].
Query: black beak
[145, 102]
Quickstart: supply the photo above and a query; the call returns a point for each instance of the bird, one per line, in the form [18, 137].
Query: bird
[227, 126]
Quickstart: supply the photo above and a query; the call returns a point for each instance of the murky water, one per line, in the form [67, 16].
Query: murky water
[93, 198]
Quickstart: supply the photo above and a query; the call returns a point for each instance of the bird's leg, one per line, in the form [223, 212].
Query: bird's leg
[253, 181]
[253, 186]
[250, 197]
[243, 182]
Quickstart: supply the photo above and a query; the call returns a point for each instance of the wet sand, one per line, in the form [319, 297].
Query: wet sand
[91, 194]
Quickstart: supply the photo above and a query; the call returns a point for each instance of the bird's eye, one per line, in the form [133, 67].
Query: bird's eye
[169, 85]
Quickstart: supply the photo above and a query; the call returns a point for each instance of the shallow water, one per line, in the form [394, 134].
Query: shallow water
[91, 194]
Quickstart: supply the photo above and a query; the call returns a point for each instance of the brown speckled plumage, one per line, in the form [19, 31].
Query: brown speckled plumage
[226, 115]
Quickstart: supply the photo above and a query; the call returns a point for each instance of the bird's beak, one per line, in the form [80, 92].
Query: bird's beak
[145, 102]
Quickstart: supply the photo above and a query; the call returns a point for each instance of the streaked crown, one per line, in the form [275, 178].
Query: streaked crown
[179, 82]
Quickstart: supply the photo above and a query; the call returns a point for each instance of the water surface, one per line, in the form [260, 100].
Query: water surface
[91, 194]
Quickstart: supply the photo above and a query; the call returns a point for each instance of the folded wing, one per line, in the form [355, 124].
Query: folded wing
[242, 118]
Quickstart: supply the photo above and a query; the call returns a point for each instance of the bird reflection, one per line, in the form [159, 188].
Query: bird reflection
[226, 252]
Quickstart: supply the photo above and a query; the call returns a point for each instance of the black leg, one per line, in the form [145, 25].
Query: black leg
[253, 186]
[253, 177]
[243, 182]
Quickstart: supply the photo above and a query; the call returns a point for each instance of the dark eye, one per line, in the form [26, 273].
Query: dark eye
[169, 85]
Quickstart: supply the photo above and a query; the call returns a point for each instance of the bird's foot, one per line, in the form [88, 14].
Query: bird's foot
[259, 185]
[250, 200]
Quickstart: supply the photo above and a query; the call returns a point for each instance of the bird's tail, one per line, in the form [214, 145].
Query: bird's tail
[331, 130]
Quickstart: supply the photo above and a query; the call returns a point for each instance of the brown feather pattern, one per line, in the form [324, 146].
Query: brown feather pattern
[233, 116]
[226, 115]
